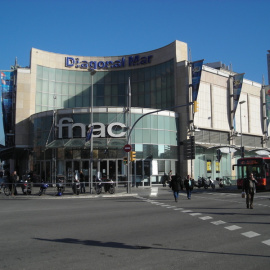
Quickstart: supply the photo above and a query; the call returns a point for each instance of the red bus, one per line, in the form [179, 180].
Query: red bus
[259, 166]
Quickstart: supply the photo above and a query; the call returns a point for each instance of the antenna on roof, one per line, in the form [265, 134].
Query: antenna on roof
[189, 55]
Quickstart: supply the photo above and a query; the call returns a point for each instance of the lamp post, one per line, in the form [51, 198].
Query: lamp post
[242, 150]
[92, 72]
[54, 138]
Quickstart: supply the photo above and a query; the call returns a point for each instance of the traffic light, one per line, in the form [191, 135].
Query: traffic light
[189, 148]
[242, 151]
[219, 156]
[125, 160]
[132, 156]
[195, 106]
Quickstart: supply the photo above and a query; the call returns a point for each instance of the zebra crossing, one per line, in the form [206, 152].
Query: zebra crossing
[200, 216]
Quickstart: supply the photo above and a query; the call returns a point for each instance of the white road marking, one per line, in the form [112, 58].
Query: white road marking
[178, 209]
[205, 218]
[187, 211]
[267, 242]
[233, 228]
[219, 222]
[195, 214]
[250, 234]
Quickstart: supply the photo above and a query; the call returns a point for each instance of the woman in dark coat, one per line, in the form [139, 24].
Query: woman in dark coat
[189, 186]
[249, 187]
[176, 186]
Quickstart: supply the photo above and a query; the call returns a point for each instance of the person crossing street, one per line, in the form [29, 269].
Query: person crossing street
[176, 186]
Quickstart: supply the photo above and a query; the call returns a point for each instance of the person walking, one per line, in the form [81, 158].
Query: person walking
[188, 185]
[165, 178]
[170, 178]
[249, 187]
[82, 180]
[14, 179]
[176, 186]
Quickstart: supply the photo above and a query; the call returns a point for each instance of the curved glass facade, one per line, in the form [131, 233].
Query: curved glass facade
[156, 132]
[151, 87]
[154, 138]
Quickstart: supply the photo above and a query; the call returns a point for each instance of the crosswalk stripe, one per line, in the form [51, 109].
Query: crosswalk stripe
[219, 222]
[267, 242]
[250, 234]
[195, 214]
[205, 218]
[233, 228]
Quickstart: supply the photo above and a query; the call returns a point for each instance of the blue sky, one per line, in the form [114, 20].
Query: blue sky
[234, 32]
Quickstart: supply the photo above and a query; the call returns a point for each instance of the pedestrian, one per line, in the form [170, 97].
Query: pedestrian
[176, 186]
[170, 177]
[82, 180]
[14, 179]
[188, 183]
[249, 187]
[164, 180]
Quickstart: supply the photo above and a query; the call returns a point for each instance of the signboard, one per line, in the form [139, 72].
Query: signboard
[135, 60]
[217, 167]
[127, 148]
[209, 166]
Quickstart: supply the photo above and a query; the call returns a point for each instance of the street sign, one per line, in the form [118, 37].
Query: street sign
[127, 148]
[189, 148]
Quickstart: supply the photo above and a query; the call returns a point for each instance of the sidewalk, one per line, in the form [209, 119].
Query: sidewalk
[121, 191]
[51, 193]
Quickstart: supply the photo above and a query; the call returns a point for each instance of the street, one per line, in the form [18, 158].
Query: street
[212, 230]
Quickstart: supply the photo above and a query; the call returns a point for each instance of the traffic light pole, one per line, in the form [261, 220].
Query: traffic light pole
[128, 139]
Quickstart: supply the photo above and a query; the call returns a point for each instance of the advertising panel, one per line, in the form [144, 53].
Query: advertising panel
[196, 78]
[237, 87]
[7, 94]
[267, 101]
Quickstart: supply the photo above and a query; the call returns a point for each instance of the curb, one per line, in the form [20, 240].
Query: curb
[68, 196]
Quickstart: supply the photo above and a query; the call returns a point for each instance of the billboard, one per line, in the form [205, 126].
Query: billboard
[7, 91]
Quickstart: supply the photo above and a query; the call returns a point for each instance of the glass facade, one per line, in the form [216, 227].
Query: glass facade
[151, 87]
[153, 138]
[154, 135]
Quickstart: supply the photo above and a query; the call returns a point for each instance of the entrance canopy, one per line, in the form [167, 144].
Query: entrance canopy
[81, 143]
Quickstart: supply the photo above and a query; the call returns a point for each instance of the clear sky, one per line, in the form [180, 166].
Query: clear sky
[235, 32]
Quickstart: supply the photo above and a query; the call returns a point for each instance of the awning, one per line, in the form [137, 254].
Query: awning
[208, 145]
[7, 153]
[82, 144]
[57, 144]
[227, 150]
[262, 153]
[223, 148]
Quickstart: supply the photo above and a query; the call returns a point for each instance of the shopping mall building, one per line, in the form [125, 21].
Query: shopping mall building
[145, 100]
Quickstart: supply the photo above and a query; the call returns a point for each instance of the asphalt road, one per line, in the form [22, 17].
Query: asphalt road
[212, 230]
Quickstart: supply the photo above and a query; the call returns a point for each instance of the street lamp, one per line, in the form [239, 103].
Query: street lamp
[242, 149]
[92, 72]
